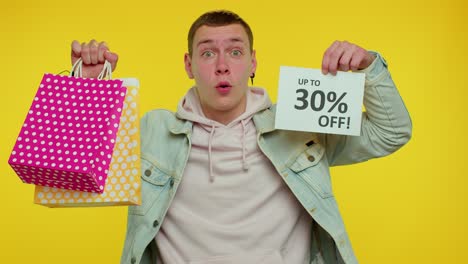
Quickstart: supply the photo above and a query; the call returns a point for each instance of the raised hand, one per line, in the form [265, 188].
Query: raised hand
[345, 56]
[93, 55]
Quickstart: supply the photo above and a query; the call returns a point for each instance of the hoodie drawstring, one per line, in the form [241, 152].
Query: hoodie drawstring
[209, 153]
[245, 166]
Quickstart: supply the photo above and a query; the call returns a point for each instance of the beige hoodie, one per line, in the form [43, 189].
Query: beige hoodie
[232, 206]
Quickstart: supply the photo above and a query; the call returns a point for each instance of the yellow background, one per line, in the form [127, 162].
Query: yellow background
[409, 207]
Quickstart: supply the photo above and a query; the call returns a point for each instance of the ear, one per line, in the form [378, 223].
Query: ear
[254, 62]
[188, 65]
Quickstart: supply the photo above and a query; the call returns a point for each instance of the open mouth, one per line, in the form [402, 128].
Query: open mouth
[223, 87]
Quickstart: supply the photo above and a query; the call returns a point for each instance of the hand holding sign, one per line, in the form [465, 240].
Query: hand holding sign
[345, 56]
[312, 101]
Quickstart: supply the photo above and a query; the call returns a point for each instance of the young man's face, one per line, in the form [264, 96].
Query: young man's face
[221, 64]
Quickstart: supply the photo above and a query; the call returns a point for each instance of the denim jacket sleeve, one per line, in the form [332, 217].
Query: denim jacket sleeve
[386, 125]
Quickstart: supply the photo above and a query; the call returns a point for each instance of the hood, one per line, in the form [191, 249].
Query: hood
[190, 109]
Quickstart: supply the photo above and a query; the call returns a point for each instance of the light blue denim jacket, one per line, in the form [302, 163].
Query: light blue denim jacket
[301, 158]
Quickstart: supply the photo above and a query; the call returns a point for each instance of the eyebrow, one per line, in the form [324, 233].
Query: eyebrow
[208, 41]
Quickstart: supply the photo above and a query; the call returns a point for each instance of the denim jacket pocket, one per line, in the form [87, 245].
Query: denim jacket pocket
[154, 182]
[311, 167]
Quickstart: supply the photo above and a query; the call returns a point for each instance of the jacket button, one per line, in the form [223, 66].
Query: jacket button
[172, 182]
[133, 260]
[147, 172]
[155, 223]
[311, 158]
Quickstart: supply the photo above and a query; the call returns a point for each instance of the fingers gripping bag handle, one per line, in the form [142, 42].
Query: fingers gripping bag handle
[77, 70]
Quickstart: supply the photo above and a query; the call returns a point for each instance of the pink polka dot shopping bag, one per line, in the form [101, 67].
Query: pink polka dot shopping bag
[79, 143]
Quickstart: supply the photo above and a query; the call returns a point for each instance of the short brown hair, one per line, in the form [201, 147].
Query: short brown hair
[216, 19]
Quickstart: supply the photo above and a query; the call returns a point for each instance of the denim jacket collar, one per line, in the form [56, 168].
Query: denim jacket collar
[181, 126]
[265, 120]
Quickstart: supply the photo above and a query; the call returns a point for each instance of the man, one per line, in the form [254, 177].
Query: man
[220, 184]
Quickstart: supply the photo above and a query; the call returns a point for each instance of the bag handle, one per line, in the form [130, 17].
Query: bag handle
[77, 70]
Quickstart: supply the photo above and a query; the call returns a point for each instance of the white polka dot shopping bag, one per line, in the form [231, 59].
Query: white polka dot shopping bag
[123, 180]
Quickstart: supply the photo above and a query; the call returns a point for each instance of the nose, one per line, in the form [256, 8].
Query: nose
[221, 66]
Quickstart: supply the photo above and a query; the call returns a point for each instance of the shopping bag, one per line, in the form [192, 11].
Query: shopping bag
[123, 182]
[69, 133]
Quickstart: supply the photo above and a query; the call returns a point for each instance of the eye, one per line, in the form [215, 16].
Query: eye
[236, 53]
[208, 54]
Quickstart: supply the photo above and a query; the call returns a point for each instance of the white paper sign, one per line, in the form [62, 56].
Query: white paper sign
[311, 101]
